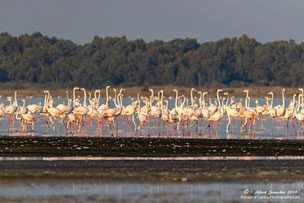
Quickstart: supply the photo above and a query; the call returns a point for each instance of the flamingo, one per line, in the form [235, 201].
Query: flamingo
[217, 116]
[27, 117]
[213, 108]
[11, 110]
[142, 117]
[106, 105]
[230, 113]
[272, 111]
[52, 110]
[66, 109]
[247, 114]
[298, 114]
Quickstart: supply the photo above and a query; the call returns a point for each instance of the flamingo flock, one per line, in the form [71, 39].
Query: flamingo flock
[145, 115]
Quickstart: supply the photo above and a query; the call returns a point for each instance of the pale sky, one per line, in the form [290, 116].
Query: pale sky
[205, 20]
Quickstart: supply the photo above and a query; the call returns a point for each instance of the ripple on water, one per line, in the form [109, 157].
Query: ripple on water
[200, 158]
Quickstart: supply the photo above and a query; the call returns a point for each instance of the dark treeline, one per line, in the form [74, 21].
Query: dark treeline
[40, 60]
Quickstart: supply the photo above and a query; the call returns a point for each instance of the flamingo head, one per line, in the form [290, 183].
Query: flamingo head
[284, 90]
[239, 105]
[300, 89]
[107, 87]
[193, 89]
[219, 90]
[246, 91]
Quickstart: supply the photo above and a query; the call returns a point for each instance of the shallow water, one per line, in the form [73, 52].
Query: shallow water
[184, 158]
[155, 128]
[147, 192]
[241, 185]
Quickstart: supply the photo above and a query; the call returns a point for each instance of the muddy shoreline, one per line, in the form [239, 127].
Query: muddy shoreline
[150, 171]
[161, 147]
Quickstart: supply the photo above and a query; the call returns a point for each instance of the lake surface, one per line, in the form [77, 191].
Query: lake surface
[64, 179]
[154, 192]
[157, 128]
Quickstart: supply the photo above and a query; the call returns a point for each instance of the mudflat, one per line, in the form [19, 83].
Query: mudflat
[166, 147]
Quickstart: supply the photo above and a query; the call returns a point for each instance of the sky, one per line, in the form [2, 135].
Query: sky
[205, 20]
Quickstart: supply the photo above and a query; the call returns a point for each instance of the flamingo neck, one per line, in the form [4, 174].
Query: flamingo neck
[115, 97]
[107, 94]
[74, 96]
[162, 102]
[85, 97]
[200, 101]
[90, 95]
[23, 104]
[16, 101]
[48, 98]
[283, 97]
[241, 111]
[191, 94]
[298, 104]
[151, 97]
[158, 100]
[121, 102]
[95, 96]
[176, 96]
[67, 94]
[98, 98]
[222, 107]
[218, 98]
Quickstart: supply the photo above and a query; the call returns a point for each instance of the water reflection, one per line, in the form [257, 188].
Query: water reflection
[112, 158]
[262, 132]
[132, 192]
